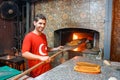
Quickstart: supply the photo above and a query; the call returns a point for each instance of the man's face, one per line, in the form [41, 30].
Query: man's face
[40, 25]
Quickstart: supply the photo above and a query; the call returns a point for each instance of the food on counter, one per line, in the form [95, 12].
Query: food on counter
[106, 62]
[112, 78]
[87, 67]
[87, 64]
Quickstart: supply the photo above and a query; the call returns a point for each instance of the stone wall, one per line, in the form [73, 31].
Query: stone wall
[89, 14]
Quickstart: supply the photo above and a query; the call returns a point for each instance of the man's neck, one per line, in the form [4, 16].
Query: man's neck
[36, 32]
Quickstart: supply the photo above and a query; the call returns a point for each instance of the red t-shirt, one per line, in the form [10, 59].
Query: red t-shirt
[36, 44]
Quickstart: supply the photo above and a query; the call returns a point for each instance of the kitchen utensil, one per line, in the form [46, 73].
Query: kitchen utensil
[65, 47]
[30, 69]
[70, 46]
[73, 44]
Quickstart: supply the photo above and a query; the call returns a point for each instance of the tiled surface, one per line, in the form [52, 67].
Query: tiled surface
[88, 14]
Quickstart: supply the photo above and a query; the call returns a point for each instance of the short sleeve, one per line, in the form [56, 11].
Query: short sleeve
[26, 45]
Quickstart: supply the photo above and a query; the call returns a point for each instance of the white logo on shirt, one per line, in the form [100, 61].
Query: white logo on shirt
[41, 49]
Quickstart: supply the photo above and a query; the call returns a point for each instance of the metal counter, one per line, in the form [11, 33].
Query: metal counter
[65, 71]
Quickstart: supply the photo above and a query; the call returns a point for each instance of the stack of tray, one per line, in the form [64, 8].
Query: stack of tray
[8, 72]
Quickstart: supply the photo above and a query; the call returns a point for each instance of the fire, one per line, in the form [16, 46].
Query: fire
[75, 36]
[81, 36]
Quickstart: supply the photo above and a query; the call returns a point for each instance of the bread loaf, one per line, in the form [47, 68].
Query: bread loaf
[87, 67]
[74, 42]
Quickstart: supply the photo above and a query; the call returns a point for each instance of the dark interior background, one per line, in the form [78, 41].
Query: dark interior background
[12, 25]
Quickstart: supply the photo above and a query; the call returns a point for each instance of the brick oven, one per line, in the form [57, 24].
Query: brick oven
[65, 35]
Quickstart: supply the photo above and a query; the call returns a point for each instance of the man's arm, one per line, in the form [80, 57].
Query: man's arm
[31, 56]
[55, 49]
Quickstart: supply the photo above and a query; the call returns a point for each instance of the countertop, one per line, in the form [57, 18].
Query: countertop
[65, 71]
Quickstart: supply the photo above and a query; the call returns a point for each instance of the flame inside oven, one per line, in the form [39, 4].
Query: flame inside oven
[84, 45]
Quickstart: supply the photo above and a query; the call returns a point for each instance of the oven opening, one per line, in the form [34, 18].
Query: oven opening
[84, 45]
[65, 35]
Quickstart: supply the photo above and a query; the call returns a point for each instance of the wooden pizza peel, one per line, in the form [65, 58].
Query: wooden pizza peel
[68, 46]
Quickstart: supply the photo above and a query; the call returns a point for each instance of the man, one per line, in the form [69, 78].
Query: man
[34, 47]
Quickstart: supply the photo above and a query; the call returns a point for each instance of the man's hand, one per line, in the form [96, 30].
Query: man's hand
[44, 58]
[60, 47]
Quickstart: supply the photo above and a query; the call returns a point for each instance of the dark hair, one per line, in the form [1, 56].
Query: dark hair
[39, 16]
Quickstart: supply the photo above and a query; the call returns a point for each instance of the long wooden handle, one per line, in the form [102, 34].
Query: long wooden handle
[30, 69]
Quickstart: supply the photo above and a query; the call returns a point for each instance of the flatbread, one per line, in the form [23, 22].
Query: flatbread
[87, 67]
[74, 42]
